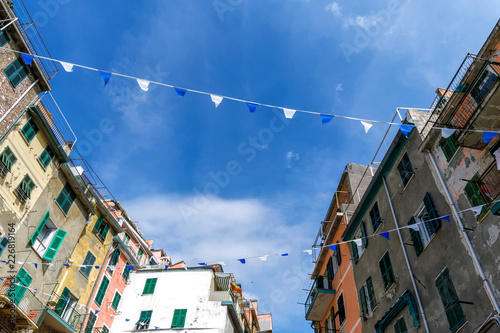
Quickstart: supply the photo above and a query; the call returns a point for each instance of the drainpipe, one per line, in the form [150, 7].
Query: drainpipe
[466, 237]
[406, 259]
[18, 100]
[95, 284]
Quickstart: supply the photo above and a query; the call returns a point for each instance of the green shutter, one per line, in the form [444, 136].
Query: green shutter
[66, 198]
[24, 280]
[88, 262]
[3, 244]
[114, 257]
[62, 301]
[415, 237]
[386, 270]
[116, 301]
[355, 254]
[362, 298]
[90, 324]
[97, 224]
[4, 38]
[46, 157]
[104, 232]
[26, 186]
[449, 298]
[29, 130]
[400, 326]
[473, 194]
[16, 72]
[39, 228]
[371, 292]
[102, 291]
[8, 158]
[126, 271]
[54, 245]
[149, 287]
[179, 318]
[448, 146]
[433, 225]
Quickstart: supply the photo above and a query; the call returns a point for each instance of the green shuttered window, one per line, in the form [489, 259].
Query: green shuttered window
[367, 298]
[42, 235]
[89, 262]
[375, 217]
[449, 298]
[90, 324]
[101, 228]
[149, 287]
[3, 244]
[102, 291]
[61, 303]
[25, 188]
[144, 320]
[29, 130]
[23, 280]
[405, 169]
[46, 157]
[448, 146]
[66, 198]
[16, 71]
[386, 270]
[55, 245]
[126, 271]
[7, 160]
[179, 318]
[416, 239]
[116, 301]
[341, 309]
[4, 38]
[400, 326]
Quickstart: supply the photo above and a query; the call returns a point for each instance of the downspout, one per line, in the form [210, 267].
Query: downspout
[466, 237]
[95, 284]
[406, 258]
[18, 100]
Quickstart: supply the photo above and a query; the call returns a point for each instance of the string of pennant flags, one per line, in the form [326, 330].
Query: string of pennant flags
[251, 105]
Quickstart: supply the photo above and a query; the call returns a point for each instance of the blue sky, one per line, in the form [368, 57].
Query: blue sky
[163, 150]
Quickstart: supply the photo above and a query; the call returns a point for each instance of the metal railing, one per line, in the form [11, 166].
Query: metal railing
[320, 282]
[66, 310]
[29, 304]
[32, 37]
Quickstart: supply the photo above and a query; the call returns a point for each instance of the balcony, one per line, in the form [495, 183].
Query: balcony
[29, 309]
[222, 288]
[62, 314]
[319, 299]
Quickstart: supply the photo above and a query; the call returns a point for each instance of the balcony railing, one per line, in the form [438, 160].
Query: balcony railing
[25, 301]
[319, 298]
[65, 309]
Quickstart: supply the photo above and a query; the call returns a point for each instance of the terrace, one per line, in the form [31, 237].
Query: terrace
[319, 298]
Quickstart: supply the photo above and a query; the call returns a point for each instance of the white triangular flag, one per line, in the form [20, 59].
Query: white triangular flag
[263, 258]
[309, 251]
[222, 263]
[447, 132]
[477, 209]
[143, 84]
[289, 113]
[358, 241]
[216, 99]
[185, 266]
[67, 66]
[367, 124]
[415, 227]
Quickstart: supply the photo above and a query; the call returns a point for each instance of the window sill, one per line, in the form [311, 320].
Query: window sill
[392, 286]
[461, 327]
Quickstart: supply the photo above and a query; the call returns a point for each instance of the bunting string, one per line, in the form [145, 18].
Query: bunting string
[251, 105]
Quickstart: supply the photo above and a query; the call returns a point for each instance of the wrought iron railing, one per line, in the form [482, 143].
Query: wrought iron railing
[65, 309]
[28, 303]
[320, 282]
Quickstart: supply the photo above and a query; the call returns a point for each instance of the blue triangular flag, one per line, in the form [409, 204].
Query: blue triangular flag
[405, 129]
[1, 279]
[97, 311]
[156, 327]
[251, 107]
[242, 260]
[96, 267]
[130, 267]
[332, 247]
[67, 265]
[488, 136]
[384, 234]
[202, 263]
[181, 92]
[447, 218]
[166, 266]
[126, 319]
[3, 261]
[28, 58]
[106, 76]
[325, 119]
[284, 254]
[36, 265]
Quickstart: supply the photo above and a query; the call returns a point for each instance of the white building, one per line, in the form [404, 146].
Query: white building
[197, 299]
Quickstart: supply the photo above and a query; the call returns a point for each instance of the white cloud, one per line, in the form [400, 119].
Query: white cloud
[339, 87]
[291, 156]
[334, 8]
[364, 22]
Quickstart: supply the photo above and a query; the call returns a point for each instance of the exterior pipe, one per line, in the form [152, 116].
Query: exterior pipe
[406, 258]
[466, 237]
[18, 100]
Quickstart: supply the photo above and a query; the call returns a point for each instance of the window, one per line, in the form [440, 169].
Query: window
[16, 71]
[400, 326]
[104, 329]
[476, 195]
[24, 189]
[341, 309]
[140, 253]
[338, 255]
[102, 291]
[179, 318]
[7, 160]
[23, 280]
[4, 38]
[113, 260]
[359, 247]
[29, 130]
[149, 287]
[386, 270]
[66, 304]
[46, 157]
[144, 320]
[449, 298]
[3, 244]
[426, 224]
[405, 170]
[375, 217]
[47, 239]
[367, 298]
[116, 301]
[331, 271]
[126, 239]
[152, 261]
[126, 271]
[483, 85]
[101, 228]
[87, 264]
[448, 146]
[90, 324]
[66, 198]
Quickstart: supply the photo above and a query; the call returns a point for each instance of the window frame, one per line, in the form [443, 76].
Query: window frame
[90, 262]
[443, 280]
[149, 286]
[126, 275]
[4, 38]
[101, 292]
[113, 306]
[145, 315]
[29, 128]
[20, 70]
[449, 143]
[405, 166]
[44, 161]
[387, 271]
[179, 318]
[344, 318]
[25, 188]
[65, 198]
[91, 321]
[376, 223]
[101, 228]
[7, 161]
